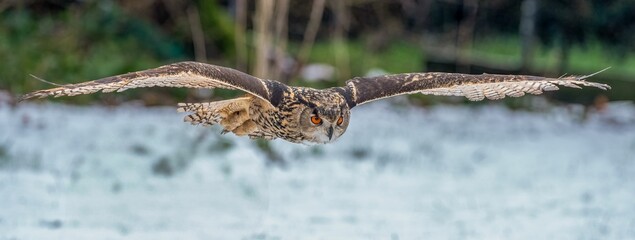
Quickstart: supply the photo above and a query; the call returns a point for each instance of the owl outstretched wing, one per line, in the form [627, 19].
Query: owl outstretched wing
[182, 74]
[474, 87]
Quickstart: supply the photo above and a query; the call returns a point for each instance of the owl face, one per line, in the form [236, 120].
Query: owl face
[324, 124]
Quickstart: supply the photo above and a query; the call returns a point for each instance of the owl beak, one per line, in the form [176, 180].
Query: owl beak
[329, 133]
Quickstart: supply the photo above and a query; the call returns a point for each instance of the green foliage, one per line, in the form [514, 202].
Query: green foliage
[97, 39]
[398, 57]
[585, 59]
[567, 23]
[218, 25]
[74, 46]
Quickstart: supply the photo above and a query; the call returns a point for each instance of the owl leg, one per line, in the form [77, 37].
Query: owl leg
[202, 113]
[246, 128]
[232, 114]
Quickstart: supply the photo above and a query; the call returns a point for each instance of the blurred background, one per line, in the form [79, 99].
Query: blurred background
[316, 43]
[123, 166]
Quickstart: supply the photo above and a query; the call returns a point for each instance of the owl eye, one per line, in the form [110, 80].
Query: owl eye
[340, 120]
[316, 120]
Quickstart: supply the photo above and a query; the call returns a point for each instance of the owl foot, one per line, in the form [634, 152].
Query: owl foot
[232, 115]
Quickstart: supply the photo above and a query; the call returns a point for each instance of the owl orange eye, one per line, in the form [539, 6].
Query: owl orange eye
[316, 120]
[340, 121]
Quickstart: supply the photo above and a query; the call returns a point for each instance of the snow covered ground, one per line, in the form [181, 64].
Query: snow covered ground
[399, 172]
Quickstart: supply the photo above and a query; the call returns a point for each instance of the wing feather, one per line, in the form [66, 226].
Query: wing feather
[182, 74]
[473, 87]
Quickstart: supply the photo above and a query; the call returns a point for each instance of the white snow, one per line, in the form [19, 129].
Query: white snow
[400, 172]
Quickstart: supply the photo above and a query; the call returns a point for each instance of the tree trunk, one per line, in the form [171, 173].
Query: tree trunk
[240, 27]
[527, 33]
[465, 35]
[263, 43]
[342, 60]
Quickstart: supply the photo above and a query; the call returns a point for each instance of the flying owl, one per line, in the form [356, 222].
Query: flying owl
[271, 109]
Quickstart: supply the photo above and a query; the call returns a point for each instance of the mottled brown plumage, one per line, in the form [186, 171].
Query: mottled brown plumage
[299, 114]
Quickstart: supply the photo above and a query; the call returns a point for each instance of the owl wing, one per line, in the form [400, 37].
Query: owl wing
[474, 87]
[182, 74]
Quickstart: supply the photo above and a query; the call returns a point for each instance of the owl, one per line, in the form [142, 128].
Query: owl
[271, 109]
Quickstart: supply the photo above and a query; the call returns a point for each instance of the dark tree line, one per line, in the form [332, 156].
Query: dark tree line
[256, 36]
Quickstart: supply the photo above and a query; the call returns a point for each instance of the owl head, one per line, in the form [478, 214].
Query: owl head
[323, 125]
[322, 118]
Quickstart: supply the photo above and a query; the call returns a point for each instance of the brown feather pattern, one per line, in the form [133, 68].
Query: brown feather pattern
[474, 87]
[182, 74]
